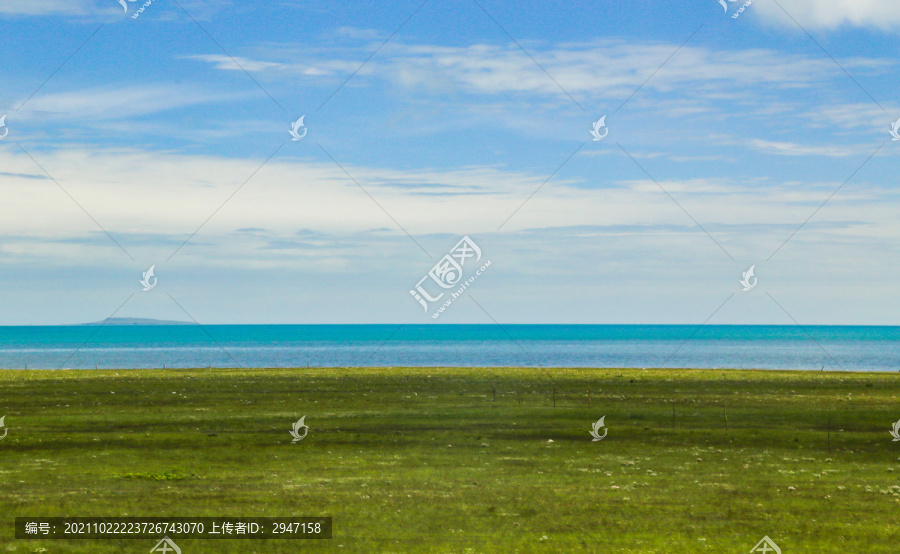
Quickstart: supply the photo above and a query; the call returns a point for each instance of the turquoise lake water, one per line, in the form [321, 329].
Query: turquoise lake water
[854, 348]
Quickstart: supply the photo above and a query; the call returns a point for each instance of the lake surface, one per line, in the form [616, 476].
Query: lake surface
[853, 348]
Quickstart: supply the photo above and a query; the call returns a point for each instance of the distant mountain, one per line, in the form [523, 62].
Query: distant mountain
[137, 321]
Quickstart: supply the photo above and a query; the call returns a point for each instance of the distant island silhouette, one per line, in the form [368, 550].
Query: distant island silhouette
[137, 321]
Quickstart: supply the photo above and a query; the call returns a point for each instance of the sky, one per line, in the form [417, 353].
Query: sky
[730, 140]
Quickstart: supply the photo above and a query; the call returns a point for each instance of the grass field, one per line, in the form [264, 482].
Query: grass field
[462, 460]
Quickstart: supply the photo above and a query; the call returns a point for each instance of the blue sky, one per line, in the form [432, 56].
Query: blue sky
[129, 136]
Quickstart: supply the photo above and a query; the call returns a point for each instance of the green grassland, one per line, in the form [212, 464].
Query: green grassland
[462, 460]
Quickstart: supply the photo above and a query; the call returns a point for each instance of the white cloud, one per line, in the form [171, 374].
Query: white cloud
[612, 68]
[109, 102]
[853, 116]
[46, 7]
[831, 14]
[312, 67]
[501, 82]
[156, 200]
[794, 149]
[360, 34]
[237, 63]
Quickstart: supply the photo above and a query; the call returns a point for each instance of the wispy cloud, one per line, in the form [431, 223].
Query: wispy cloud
[831, 14]
[793, 149]
[611, 67]
[46, 7]
[121, 102]
[852, 116]
[238, 63]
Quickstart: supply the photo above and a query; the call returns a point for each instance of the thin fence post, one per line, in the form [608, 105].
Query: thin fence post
[554, 396]
[726, 416]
